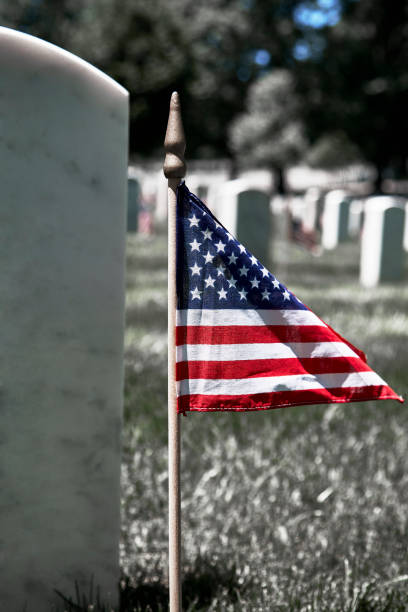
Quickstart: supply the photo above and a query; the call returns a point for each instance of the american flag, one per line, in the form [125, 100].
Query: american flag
[243, 340]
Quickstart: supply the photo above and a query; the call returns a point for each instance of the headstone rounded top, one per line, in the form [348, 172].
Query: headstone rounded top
[336, 196]
[15, 46]
[236, 186]
[383, 202]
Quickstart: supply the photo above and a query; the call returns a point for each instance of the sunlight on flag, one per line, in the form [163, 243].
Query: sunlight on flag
[243, 340]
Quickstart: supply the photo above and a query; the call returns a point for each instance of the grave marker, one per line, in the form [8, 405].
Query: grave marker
[133, 206]
[63, 155]
[335, 219]
[381, 247]
[246, 212]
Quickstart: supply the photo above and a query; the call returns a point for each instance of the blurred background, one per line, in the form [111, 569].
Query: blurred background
[299, 509]
[332, 74]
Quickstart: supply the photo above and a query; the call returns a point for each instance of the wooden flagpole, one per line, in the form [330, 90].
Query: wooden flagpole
[174, 170]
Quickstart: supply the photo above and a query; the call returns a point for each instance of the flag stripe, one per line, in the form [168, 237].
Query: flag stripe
[243, 340]
[237, 334]
[227, 316]
[280, 399]
[237, 352]
[267, 367]
[303, 382]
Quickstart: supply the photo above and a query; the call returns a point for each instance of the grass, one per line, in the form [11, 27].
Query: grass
[295, 509]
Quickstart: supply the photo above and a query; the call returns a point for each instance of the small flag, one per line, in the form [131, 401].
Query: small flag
[243, 340]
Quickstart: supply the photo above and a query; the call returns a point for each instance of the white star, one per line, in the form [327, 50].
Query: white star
[264, 272]
[286, 295]
[232, 258]
[265, 295]
[231, 281]
[195, 269]
[209, 282]
[275, 283]
[208, 257]
[254, 260]
[196, 294]
[241, 248]
[220, 269]
[195, 246]
[217, 225]
[230, 237]
[243, 271]
[220, 246]
[193, 221]
[222, 294]
[243, 294]
[255, 283]
[207, 234]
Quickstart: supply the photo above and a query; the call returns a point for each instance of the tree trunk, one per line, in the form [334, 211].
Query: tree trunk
[379, 179]
[280, 181]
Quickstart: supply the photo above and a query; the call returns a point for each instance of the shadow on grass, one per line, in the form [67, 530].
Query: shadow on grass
[202, 584]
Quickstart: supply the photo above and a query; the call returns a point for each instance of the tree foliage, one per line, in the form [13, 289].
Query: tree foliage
[270, 133]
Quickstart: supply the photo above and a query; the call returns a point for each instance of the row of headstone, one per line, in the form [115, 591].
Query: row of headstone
[382, 220]
[62, 243]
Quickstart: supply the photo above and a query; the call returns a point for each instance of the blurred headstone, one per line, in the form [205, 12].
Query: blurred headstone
[133, 206]
[405, 240]
[356, 216]
[246, 213]
[312, 209]
[381, 248]
[62, 247]
[335, 218]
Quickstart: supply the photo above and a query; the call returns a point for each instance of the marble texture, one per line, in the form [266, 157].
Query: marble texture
[335, 219]
[381, 246]
[63, 160]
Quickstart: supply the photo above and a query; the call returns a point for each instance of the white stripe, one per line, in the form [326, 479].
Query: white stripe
[273, 350]
[271, 384]
[230, 316]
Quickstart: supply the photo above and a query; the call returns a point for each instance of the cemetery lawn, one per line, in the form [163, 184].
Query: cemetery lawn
[301, 508]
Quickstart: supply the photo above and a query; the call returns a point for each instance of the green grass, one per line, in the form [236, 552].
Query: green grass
[296, 509]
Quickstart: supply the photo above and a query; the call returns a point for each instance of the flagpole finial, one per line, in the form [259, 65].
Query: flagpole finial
[175, 141]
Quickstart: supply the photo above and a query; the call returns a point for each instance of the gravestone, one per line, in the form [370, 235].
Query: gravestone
[335, 219]
[356, 217]
[381, 247]
[405, 239]
[133, 205]
[63, 159]
[246, 214]
[312, 209]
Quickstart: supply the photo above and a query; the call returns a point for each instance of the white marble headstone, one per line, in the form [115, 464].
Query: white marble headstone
[63, 160]
[381, 246]
[335, 218]
[246, 213]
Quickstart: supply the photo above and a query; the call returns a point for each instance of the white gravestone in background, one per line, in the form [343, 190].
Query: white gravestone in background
[63, 160]
[335, 219]
[246, 214]
[405, 240]
[381, 246]
[356, 216]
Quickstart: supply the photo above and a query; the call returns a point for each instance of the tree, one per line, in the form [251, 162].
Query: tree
[270, 133]
[359, 83]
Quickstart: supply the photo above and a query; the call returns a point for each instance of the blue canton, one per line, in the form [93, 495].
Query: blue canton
[215, 271]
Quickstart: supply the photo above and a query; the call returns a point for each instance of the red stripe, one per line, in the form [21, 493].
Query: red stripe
[255, 368]
[281, 399]
[248, 334]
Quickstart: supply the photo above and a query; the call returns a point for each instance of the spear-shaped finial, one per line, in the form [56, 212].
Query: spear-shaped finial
[175, 141]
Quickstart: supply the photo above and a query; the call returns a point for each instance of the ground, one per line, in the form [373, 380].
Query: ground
[293, 509]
